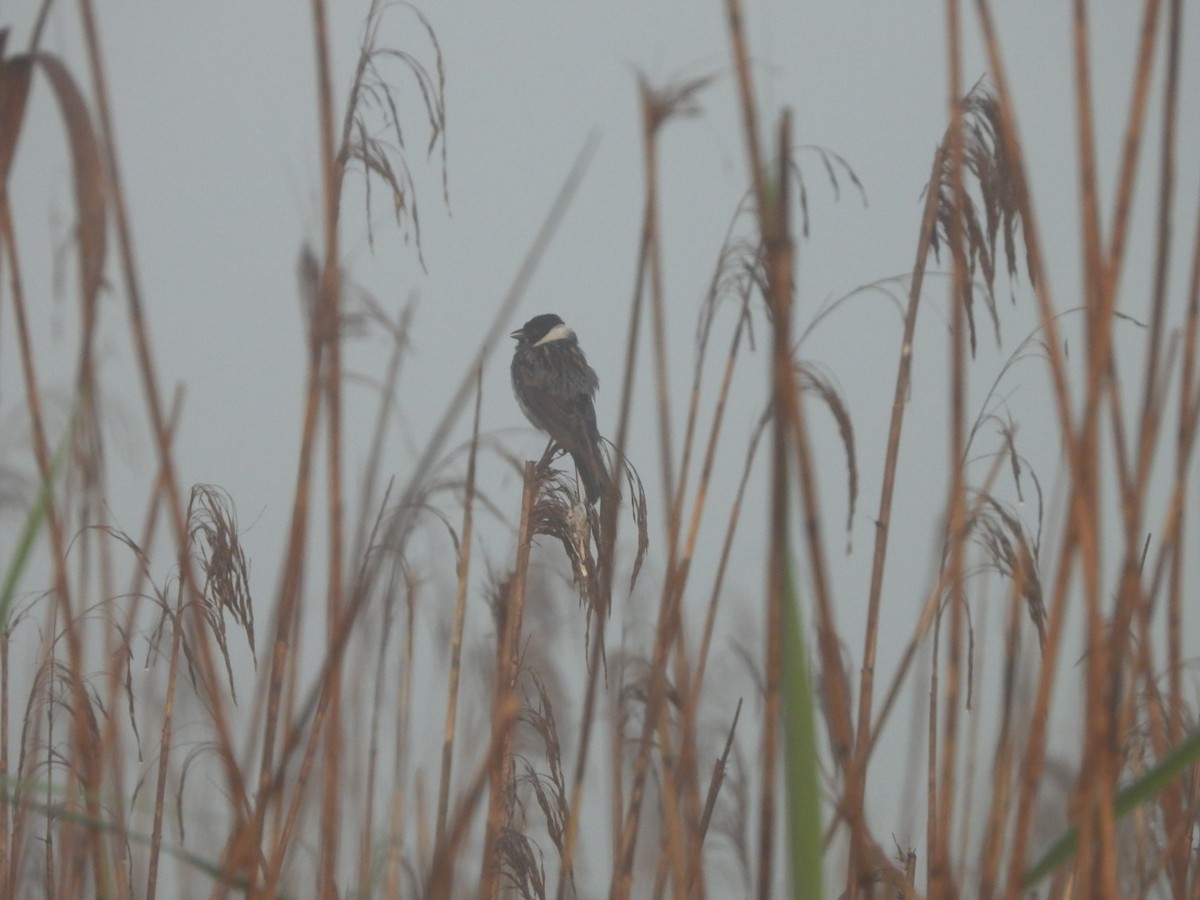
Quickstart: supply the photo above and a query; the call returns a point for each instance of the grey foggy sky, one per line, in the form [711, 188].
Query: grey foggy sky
[215, 116]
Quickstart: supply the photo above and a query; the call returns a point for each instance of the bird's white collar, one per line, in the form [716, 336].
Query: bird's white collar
[557, 333]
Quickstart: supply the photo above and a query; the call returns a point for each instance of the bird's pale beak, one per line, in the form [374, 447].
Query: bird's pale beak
[516, 335]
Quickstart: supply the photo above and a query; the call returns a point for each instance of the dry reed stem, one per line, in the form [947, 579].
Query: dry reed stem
[674, 850]
[1131, 146]
[90, 238]
[668, 632]
[607, 559]
[710, 304]
[1035, 747]
[928, 613]
[771, 215]
[856, 775]
[1100, 765]
[325, 331]
[1156, 715]
[718, 773]
[272, 865]
[403, 732]
[8, 816]
[164, 747]
[833, 672]
[314, 723]
[15, 76]
[659, 107]
[287, 609]
[328, 326]
[1152, 388]
[934, 874]
[940, 875]
[691, 704]
[142, 549]
[362, 542]
[89, 769]
[315, 709]
[654, 115]
[441, 869]
[789, 426]
[1004, 757]
[508, 651]
[777, 242]
[723, 561]
[609, 519]
[587, 720]
[1029, 223]
[366, 844]
[399, 334]
[1175, 523]
[147, 372]
[1034, 754]
[609, 526]
[400, 525]
[460, 614]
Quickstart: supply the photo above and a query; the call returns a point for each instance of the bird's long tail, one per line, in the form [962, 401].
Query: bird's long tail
[593, 470]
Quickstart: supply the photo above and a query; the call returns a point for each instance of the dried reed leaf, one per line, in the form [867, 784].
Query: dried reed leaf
[212, 528]
[15, 73]
[185, 767]
[718, 774]
[372, 98]
[559, 513]
[675, 100]
[738, 273]
[549, 788]
[357, 309]
[1010, 551]
[308, 281]
[521, 864]
[733, 816]
[988, 161]
[90, 183]
[832, 163]
[498, 602]
[813, 379]
[637, 511]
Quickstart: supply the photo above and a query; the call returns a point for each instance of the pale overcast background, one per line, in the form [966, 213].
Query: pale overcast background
[215, 115]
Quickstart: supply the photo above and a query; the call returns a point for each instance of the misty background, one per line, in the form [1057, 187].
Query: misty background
[215, 116]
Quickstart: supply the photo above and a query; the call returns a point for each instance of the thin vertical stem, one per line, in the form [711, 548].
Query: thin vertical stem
[773, 222]
[328, 324]
[857, 774]
[164, 747]
[235, 783]
[460, 615]
[1098, 857]
[508, 648]
[652, 118]
[941, 877]
[88, 765]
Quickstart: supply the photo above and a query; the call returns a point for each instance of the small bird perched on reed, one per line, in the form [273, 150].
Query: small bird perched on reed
[554, 386]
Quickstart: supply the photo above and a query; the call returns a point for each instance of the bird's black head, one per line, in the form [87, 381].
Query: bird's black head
[537, 328]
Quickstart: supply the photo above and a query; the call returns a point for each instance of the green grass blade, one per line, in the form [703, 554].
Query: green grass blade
[800, 753]
[33, 525]
[1137, 792]
[14, 792]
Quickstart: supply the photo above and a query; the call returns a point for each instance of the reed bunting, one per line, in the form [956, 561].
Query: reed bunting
[554, 386]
